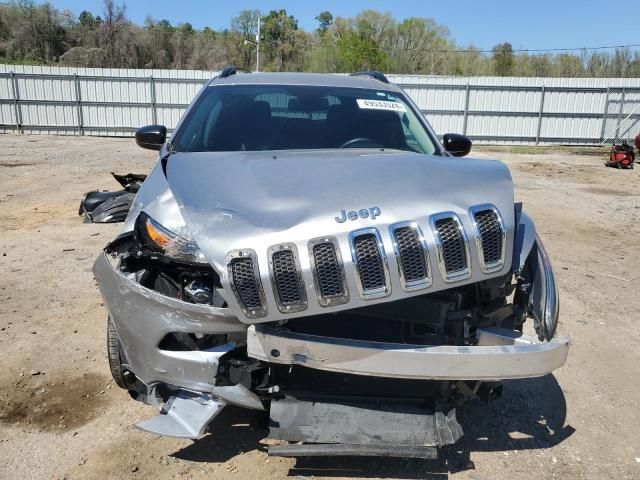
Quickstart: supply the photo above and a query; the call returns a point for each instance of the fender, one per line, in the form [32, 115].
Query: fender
[525, 239]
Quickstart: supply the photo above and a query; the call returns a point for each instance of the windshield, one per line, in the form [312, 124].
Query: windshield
[266, 117]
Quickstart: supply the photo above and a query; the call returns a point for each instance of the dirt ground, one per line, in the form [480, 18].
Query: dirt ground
[61, 416]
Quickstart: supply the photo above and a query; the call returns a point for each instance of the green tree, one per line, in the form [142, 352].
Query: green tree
[467, 62]
[156, 41]
[87, 20]
[246, 23]
[419, 45]
[283, 44]
[356, 47]
[239, 41]
[568, 65]
[208, 32]
[325, 18]
[186, 28]
[503, 59]
[541, 65]
[596, 64]
[34, 33]
[620, 62]
[163, 24]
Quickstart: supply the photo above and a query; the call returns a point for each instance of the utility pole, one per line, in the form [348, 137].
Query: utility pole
[258, 45]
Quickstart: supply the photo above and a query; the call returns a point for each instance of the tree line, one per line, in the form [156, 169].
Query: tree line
[41, 34]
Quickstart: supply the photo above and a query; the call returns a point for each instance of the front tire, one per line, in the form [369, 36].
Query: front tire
[113, 352]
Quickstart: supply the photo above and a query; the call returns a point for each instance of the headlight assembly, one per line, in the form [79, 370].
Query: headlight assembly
[154, 236]
[543, 300]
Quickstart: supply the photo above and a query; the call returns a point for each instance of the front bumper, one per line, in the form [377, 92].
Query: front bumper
[500, 355]
[144, 317]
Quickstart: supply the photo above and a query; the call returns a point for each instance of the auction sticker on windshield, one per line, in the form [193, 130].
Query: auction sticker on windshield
[381, 105]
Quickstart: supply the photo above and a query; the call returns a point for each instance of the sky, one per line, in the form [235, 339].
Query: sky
[538, 24]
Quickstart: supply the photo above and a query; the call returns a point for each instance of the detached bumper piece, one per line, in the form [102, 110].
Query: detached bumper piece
[501, 354]
[323, 427]
[187, 414]
[184, 416]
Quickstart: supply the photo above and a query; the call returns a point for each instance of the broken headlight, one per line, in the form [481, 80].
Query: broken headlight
[162, 240]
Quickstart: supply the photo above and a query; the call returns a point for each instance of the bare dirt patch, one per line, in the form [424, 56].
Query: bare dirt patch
[32, 217]
[53, 404]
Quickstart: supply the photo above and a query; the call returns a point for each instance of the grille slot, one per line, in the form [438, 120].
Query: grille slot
[371, 266]
[327, 267]
[452, 247]
[412, 254]
[246, 285]
[490, 238]
[286, 278]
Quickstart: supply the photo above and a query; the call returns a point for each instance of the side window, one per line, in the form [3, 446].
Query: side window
[411, 140]
[199, 124]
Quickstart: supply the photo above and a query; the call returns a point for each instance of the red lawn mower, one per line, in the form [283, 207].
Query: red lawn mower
[622, 155]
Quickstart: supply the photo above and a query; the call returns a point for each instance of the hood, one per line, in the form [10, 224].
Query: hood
[240, 200]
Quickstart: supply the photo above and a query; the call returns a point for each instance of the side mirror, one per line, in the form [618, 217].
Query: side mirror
[151, 137]
[457, 145]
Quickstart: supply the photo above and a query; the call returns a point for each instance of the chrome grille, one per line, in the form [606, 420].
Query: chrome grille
[452, 247]
[286, 279]
[490, 237]
[411, 252]
[329, 276]
[324, 262]
[246, 285]
[371, 266]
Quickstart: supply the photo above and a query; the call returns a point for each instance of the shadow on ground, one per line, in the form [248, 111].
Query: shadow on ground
[530, 415]
[235, 430]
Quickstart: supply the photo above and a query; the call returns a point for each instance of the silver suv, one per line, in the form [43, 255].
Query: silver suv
[305, 246]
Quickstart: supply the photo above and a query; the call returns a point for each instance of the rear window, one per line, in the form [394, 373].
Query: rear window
[264, 117]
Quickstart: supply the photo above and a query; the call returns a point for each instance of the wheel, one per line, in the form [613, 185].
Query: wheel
[618, 166]
[113, 352]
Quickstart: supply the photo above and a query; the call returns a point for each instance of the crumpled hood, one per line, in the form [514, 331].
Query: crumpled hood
[230, 199]
[253, 200]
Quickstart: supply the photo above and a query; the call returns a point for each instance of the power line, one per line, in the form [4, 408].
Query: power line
[477, 50]
[574, 49]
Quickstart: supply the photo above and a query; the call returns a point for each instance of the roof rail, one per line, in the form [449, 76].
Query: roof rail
[231, 70]
[373, 74]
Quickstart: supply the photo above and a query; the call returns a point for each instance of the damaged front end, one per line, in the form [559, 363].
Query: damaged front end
[206, 312]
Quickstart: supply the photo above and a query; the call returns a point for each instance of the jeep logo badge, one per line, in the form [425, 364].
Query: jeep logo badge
[352, 215]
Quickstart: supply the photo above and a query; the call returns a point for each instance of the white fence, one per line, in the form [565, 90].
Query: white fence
[115, 102]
